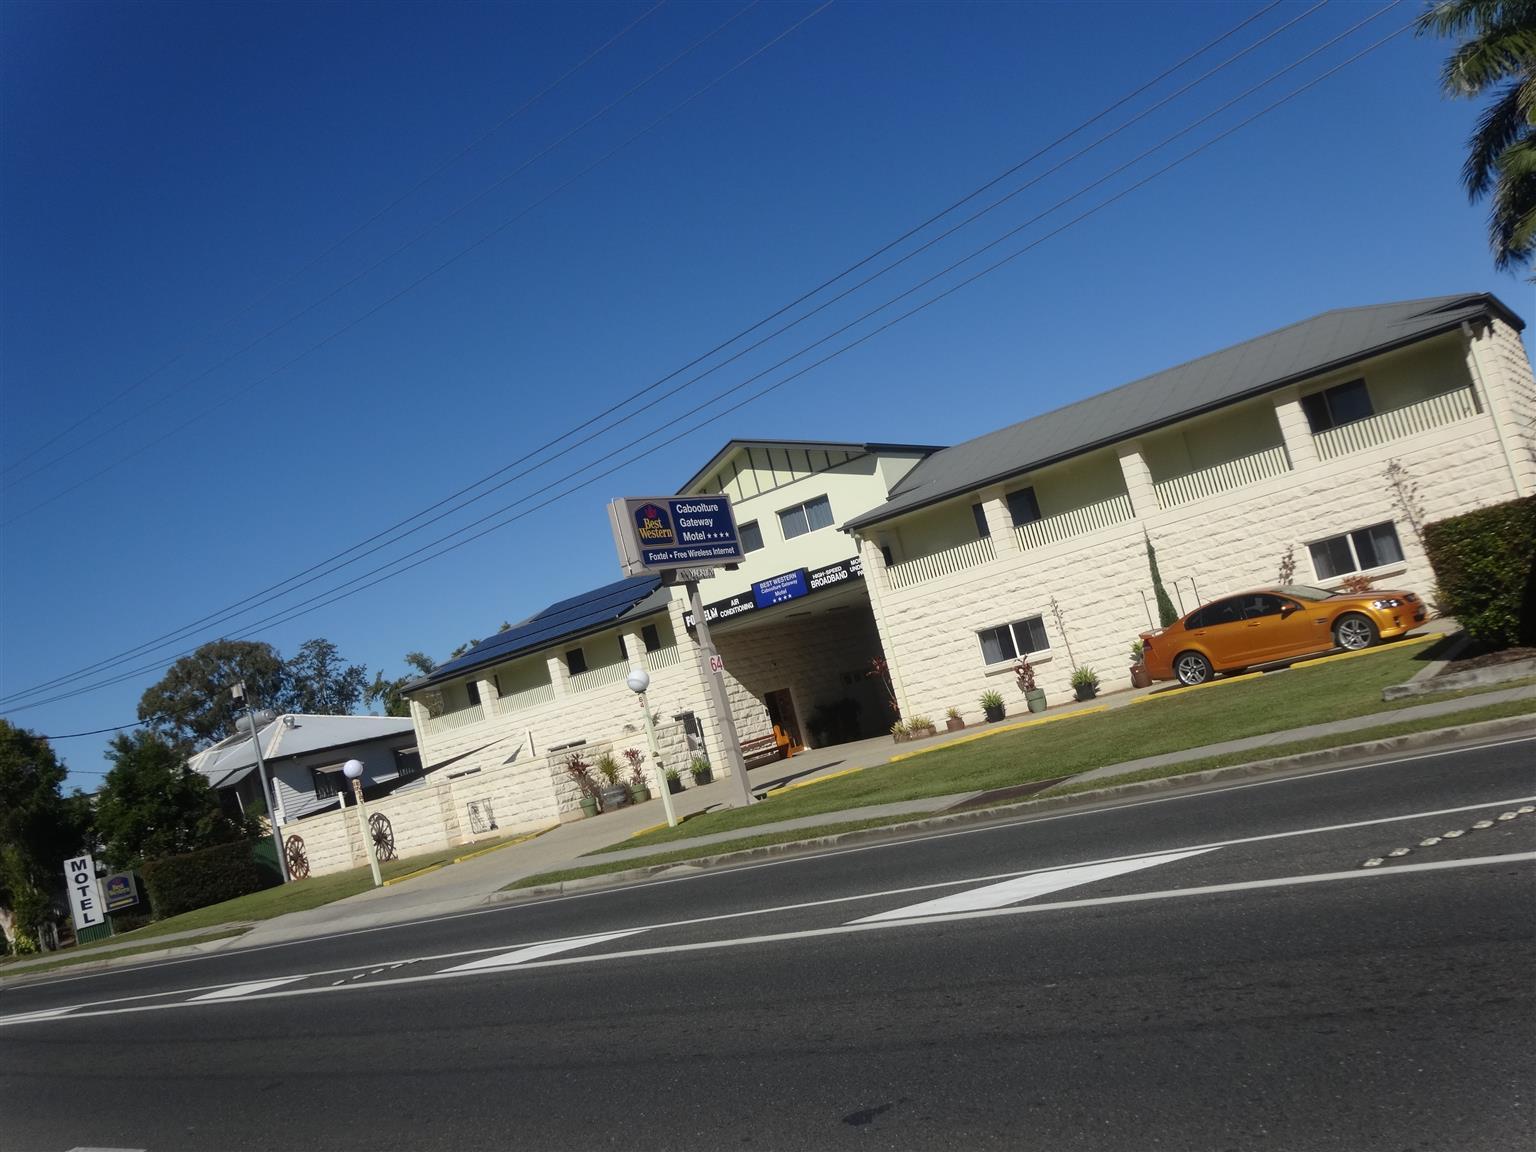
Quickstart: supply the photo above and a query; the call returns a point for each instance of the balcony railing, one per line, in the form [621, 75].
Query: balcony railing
[941, 563]
[527, 698]
[1203, 482]
[663, 658]
[1089, 518]
[448, 721]
[597, 677]
[1446, 408]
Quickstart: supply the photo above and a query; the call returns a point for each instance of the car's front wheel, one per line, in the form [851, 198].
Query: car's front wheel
[1192, 668]
[1354, 632]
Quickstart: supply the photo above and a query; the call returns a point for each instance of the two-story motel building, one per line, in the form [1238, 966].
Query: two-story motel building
[947, 563]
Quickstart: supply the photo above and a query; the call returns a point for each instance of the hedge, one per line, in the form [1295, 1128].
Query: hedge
[209, 876]
[1485, 570]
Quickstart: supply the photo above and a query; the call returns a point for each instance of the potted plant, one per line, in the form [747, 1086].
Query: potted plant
[700, 770]
[1085, 682]
[613, 792]
[953, 721]
[674, 781]
[581, 772]
[920, 727]
[639, 790]
[1034, 697]
[899, 732]
[992, 705]
[1140, 677]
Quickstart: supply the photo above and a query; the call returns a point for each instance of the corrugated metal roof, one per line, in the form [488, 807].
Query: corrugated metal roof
[1305, 349]
[565, 619]
[280, 738]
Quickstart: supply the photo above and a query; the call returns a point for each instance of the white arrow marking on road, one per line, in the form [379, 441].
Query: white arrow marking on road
[44, 1014]
[538, 951]
[1022, 888]
[235, 991]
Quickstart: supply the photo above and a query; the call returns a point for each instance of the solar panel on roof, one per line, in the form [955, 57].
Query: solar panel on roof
[562, 618]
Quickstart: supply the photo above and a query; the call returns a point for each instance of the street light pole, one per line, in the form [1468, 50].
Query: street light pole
[639, 680]
[268, 792]
[353, 770]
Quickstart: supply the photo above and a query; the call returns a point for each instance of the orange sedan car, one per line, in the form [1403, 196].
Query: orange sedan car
[1273, 624]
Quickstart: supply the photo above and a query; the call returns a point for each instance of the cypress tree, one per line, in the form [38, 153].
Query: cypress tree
[1166, 613]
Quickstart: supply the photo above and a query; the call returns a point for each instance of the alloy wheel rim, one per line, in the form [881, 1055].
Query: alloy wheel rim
[1191, 670]
[1354, 634]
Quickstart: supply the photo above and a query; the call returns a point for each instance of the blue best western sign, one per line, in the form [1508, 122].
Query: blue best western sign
[675, 532]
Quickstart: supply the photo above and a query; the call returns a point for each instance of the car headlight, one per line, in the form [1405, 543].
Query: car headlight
[1390, 602]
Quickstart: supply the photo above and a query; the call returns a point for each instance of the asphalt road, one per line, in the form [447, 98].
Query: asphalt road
[1219, 970]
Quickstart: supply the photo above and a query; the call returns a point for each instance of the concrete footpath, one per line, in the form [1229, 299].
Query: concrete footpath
[475, 882]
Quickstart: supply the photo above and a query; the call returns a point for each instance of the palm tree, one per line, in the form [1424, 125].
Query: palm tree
[1497, 55]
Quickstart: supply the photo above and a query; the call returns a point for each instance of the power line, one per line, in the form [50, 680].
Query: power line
[333, 293]
[271, 592]
[97, 732]
[318, 603]
[315, 260]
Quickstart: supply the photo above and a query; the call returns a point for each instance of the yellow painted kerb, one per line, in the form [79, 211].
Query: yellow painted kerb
[418, 872]
[815, 780]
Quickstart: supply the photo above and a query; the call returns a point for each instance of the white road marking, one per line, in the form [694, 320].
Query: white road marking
[538, 951]
[94, 1149]
[999, 826]
[844, 929]
[45, 1014]
[1023, 888]
[236, 991]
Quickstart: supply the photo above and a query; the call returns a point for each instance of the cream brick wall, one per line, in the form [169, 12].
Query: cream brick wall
[1506, 377]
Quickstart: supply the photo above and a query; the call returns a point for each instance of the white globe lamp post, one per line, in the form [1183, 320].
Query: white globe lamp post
[353, 771]
[639, 680]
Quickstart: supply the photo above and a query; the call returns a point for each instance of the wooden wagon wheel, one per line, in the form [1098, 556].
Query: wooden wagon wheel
[383, 836]
[298, 861]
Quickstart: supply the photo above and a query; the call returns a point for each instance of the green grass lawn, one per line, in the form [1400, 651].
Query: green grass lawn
[1339, 690]
[93, 951]
[698, 851]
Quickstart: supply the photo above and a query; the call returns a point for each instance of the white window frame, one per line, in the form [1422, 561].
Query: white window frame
[804, 509]
[1349, 539]
[1021, 652]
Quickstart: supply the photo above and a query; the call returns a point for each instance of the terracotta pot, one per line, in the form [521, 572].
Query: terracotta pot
[954, 724]
[1140, 677]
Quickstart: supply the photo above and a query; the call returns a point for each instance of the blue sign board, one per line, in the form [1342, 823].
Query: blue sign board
[777, 589]
[685, 531]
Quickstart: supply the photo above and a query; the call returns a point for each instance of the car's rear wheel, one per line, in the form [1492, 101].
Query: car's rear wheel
[1192, 668]
[1354, 632]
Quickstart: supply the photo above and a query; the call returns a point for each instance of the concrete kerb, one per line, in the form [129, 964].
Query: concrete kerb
[1447, 737]
[1475, 678]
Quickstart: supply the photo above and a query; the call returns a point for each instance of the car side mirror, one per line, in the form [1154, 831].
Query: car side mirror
[1287, 609]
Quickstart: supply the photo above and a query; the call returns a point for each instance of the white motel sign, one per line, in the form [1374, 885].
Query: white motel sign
[84, 896]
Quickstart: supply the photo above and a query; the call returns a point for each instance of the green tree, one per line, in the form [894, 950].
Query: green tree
[40, 828]
[1166, 613]
[152, 805]
[390, 692]
[191, 702]
[1496, 58]
[321, 683]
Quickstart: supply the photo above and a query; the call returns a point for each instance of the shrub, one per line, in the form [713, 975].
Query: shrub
[1485, 571]
[899, 728]
[1024, 673]
[991, 699]
[179, 884]
[1356, 583]
[917, 723]
[1085, 677]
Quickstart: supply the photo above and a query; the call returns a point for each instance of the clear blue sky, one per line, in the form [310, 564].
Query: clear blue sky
[171, 172]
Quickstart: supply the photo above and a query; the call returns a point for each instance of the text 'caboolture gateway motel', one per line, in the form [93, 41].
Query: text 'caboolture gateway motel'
[945, 561]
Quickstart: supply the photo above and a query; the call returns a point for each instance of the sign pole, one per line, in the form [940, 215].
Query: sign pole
[714, 682]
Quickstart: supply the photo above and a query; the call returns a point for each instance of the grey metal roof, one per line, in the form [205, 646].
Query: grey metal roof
[293, 735]
[731, 445]
[1309, 348]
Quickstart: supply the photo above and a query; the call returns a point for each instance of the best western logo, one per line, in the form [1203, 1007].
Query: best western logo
[654, 526]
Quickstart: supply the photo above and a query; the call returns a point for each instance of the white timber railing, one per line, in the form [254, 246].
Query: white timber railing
[597, 677]
[527, 698]
[945, 562]
[448, 721]
[663, 658]
[1203, 482]
[1446, 408]
[1089, 518]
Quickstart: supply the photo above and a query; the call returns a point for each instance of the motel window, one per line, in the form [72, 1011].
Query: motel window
[407, 763]
[1356, 551]
[576, 661]
[327, 781]
[807, 517]
[652, 637]
[1341, 404]
[751, 536]
[980, 513]
[1023, 508]
[472, 690]
[1009, 642]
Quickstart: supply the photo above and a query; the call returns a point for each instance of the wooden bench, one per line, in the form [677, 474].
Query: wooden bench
[761, 750]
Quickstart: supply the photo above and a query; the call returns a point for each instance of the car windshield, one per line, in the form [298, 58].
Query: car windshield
[1305, 591]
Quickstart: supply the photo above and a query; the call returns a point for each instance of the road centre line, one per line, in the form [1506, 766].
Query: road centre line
[905, 891]
[833, 853]
[846, 929]
[235, 991]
